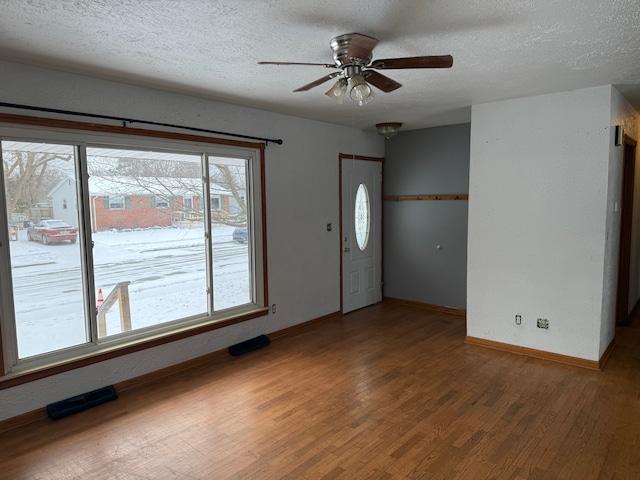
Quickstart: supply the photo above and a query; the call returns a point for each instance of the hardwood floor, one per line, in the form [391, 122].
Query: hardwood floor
[388, 392]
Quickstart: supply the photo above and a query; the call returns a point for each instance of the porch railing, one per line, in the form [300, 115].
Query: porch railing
[120, 294]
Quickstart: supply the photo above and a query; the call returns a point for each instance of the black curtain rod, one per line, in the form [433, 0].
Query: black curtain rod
[132, 120]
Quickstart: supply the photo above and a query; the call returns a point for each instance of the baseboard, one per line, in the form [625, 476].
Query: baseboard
[304, 325]
[209, 359]
[437, 308]
[541, 354]
[23, 420]
[607, 353]
[218, 356]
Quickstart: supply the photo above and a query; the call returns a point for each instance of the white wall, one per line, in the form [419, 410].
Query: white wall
[538, 214]
[302, 195]
[65, 191]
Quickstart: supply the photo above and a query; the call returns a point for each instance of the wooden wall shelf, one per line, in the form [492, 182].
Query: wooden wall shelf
[405, 198]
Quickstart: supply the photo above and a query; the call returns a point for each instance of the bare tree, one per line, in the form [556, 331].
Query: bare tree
[143, 167]
[231, 178]
[29, 177]
[169, 179]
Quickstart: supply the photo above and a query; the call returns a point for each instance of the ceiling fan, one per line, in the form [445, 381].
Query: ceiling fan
[352, 54]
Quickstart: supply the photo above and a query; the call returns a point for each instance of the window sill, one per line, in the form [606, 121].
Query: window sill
[102, 353]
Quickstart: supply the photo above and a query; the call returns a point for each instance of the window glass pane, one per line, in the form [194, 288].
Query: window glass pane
[149, 254]
[232, 239]
[42, 208]
[362, 216]
[116, 203]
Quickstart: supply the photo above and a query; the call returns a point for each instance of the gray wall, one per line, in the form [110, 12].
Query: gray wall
[427, 162]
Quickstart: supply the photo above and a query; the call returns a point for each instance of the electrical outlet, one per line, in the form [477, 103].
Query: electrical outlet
[543, 323]
[518, 319]
[273, 308]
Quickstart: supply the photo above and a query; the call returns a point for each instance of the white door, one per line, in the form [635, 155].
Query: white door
[361, 233]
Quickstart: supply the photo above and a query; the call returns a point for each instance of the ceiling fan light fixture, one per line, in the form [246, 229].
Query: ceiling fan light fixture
[388, 129]
[367, 99]
[361, 92]
[338, 90]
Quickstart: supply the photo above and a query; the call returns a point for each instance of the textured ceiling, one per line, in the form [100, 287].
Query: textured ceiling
[210, 48]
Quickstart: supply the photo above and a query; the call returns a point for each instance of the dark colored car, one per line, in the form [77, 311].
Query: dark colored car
[240, 234]
[52, 231]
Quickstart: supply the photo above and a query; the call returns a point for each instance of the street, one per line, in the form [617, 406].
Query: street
[166, 268]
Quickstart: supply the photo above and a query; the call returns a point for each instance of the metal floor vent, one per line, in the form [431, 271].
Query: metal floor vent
[82, 402]
[249, 345]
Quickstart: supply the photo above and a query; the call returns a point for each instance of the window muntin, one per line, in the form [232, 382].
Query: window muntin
[198, 212]
[362, 216]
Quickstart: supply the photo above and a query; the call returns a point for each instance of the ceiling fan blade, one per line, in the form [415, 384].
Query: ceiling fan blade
[315, 83]
[384, 83]
[325, 65]
[432, 61]
[361, 46]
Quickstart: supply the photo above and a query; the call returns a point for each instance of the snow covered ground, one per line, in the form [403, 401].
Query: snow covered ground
[166, 267]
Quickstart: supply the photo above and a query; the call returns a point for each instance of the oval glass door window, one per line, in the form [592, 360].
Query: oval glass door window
[362, 216]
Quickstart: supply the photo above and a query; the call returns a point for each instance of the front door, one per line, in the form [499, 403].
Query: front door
[361, 232]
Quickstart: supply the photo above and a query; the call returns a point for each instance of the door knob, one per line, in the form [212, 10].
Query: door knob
[347, 249]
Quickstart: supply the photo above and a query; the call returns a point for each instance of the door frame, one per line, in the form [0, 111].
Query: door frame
[626, 227]
[345, 156]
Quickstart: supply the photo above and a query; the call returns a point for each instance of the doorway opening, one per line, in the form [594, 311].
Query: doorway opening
[626, 225]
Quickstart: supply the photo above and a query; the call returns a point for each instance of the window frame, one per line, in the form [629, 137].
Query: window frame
[81, 134]
[362, 198]
[162, 202]
[111, 205]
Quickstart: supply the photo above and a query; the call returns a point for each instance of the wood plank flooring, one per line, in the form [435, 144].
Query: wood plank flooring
[388, 392]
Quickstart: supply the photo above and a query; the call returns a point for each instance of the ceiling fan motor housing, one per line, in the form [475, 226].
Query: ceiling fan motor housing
[351, 70]
[341, 46]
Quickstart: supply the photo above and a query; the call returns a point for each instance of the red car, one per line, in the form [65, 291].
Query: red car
[52, 231]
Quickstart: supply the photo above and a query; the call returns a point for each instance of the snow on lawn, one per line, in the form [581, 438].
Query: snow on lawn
[166, 268]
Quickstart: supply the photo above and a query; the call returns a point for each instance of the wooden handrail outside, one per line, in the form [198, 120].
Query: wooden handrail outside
[120, 294]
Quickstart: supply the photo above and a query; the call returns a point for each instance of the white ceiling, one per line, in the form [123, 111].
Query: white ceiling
[210, 48]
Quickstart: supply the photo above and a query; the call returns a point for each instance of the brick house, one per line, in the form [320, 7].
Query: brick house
[127, 202]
